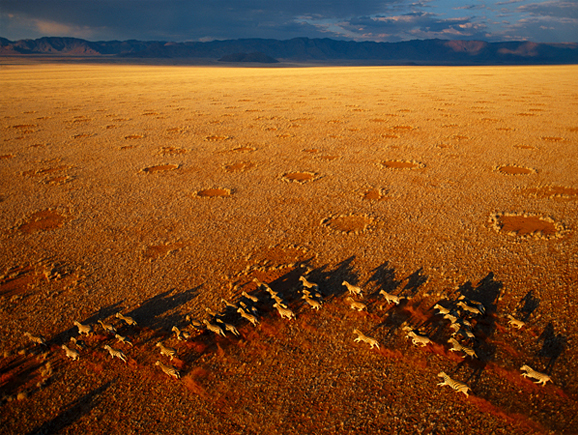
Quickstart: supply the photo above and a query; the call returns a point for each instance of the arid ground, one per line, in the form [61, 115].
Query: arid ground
[159, 191]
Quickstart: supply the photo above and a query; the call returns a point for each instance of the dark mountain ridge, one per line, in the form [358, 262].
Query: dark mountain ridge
[430, 51]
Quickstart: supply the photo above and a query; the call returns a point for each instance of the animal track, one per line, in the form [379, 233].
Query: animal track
[160, 168]
[552, 138]
[43, 220]
[514, 170]
[524, 225]
[401, 164]
[134, 136]
[213, 193]
[348, 224]
[299, 177]
[238, 166]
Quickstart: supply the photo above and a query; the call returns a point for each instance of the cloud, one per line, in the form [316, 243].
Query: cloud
[562, 9]
[416, 25]
[186, 20]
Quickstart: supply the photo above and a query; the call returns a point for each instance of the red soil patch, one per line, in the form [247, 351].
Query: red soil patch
[159, 168]
[553, 191]
[171, 151]
[43, 220]
[155, 251]
[524, 225]
[239, 166]
[348, 224]
[214, 193]
[515, 170]
[299, 177]
[400, 164]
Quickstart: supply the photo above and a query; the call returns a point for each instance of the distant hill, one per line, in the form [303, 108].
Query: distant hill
[248, 57]
[421, 52]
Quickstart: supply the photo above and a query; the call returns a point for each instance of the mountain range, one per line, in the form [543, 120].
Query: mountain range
[421, 52]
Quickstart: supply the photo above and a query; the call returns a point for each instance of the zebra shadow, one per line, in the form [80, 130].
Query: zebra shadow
[102, 313]
[74, 411]
[528, 305]
[553, 346]
[330, 280]
[383, 277]
[161, 311]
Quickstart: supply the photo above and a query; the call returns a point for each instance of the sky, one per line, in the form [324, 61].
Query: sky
[358, 20]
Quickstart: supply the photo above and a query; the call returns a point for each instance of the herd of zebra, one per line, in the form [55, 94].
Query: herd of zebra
[459, 314]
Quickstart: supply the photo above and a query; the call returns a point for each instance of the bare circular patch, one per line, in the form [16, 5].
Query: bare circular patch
[374, 195]
[328, 158]
[553, 192]
[218, 138]
[213, 193]
[526, 226]
[160, 168]
[514, 170]
[348, 224]
[42, 220]
[238, 166]
[171, 151]
[299, 177]
[401, 164]
[244, 149]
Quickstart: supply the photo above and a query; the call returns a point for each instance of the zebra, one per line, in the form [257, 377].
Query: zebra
[122, 339]
[308, 284]
[83, 329]
[284, 312]
[457, 346]
[515, 323]
[214, 328]
[171, 371]
[417, 339]
[250, 317]
[391, 299]
[229, 327]
[35, 339]
[359, 306]
[71, 353]
[316, 305]
[362, 337]
[115, 353]
[128, 320]
[456, 385]
[107, 327]
[541, 378]
[167, 351]
[352, 289]
[255, 299]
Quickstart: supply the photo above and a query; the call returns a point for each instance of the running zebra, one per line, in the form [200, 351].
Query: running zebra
[460, 387]
[115, 353]
[171, 371]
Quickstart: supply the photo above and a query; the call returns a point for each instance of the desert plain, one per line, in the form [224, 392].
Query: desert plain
[159, 191]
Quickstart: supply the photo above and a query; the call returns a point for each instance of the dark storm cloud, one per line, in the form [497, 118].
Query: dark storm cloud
[378, 20]
[416, 25]
[183, 19]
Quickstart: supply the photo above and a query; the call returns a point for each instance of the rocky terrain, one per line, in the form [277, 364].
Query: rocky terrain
[179, 195]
